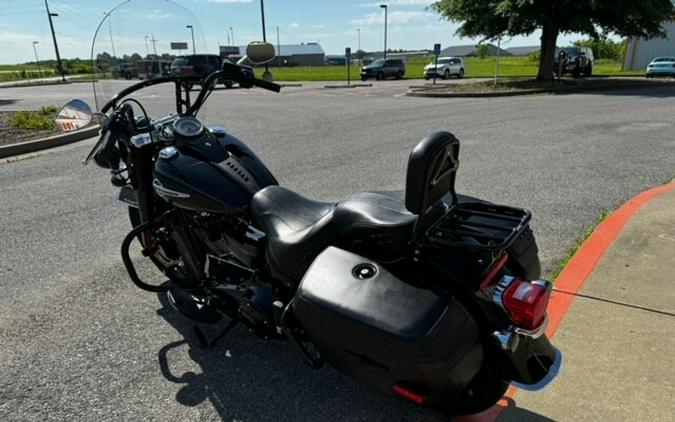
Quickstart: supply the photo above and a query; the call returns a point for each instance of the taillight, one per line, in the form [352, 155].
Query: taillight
[525, 301]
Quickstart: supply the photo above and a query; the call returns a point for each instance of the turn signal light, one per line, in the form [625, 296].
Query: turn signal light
[526, 302]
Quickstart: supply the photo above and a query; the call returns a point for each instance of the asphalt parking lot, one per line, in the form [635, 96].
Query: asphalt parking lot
[77, 341]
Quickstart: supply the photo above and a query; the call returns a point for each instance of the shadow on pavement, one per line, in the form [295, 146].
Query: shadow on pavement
[245, 378]
[7, 102]
[513, 413]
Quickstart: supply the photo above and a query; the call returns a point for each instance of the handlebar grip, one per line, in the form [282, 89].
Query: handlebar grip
[271, 86]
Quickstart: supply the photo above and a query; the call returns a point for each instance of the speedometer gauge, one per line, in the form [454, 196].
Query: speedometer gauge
[188, 127]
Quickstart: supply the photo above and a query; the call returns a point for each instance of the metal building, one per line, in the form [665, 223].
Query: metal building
[639, 52]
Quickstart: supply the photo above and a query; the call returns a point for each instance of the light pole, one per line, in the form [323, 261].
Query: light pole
[36, 59]
[384, 6]
[147, 49]
[232, 33]
[192, 31]
[56, 46]
[266, 75]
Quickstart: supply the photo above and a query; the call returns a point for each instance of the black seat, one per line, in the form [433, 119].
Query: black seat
[297, 229]
[374, 224]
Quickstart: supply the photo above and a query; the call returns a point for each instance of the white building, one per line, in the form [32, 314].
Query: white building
[639, 52]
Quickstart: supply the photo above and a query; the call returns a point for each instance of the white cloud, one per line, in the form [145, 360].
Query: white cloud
[396, 17]
[294, 25]
[318, 26]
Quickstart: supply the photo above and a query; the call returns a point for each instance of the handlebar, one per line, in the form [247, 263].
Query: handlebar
[271, 86]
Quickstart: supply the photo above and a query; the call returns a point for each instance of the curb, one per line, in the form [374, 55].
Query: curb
[574, 275]
[637, 84]
[50, 142]
[347, 86]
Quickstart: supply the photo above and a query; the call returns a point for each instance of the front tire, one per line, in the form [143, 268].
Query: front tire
[446, 74]
[379, 76]
[460, 75]
[589, 70]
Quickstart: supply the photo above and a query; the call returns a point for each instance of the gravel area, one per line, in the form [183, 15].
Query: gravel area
[12, 135]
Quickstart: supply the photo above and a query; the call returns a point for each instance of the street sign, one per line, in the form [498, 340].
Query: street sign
[348, 53]
[437, 49]
[179, 46]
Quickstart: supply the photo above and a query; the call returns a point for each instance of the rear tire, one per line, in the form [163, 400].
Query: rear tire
[379, 76]
[483, 392]
[446, 74]
[399, 75]
[460, 75]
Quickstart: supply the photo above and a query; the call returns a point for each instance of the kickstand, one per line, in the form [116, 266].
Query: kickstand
[205, 343]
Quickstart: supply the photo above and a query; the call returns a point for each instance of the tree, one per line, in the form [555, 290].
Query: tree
[603, 47]
[482, 50]
[492, 19]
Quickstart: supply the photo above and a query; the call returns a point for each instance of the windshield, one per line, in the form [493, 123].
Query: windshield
[570, 51]
[139, 40]
[444, 61]
[377, 62]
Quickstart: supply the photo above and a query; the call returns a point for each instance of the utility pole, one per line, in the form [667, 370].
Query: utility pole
[192, 31]
[228, 38]
[154, 44]
[358, 50]
[384, 6]
[147, 50]
[232, 31]
[278, 47]
[36, 59]
[56, 46]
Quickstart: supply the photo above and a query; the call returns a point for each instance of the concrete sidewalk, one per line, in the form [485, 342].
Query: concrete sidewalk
[618, 336]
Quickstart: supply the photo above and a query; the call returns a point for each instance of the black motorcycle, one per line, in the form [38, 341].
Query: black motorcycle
[432, 296]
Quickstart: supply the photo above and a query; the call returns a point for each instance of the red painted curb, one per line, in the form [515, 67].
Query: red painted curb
[573, 276]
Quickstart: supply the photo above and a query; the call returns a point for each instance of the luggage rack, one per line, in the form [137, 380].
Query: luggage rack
[479, 227]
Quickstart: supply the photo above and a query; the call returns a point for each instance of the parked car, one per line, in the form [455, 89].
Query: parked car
[661, 66]
[576, 61]
[382, 69]
[201, 65]
[150, 69]
[444, 68]
[126, 71]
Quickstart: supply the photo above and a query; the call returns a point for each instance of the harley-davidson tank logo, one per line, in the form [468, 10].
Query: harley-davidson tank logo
[166, 192]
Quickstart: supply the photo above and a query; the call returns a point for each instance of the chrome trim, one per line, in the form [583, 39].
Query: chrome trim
[254, 234]
[553, 372]
[536, 333]
[218, 131]
[507, 340]
[141, 140]
[168, 153]
[166, 192]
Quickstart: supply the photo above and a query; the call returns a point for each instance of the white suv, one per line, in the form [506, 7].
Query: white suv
[447, 66]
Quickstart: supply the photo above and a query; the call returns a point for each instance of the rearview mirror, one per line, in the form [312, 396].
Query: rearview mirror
[260, 52]
[73, 116]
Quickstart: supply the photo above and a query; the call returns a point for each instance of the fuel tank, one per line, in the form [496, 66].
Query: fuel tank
[216, 174]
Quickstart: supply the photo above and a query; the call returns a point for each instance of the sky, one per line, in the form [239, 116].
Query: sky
[335, 25]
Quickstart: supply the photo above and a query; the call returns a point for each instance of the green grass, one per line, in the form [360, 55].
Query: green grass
[578, 243]
[475, 67]
[42, 119]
